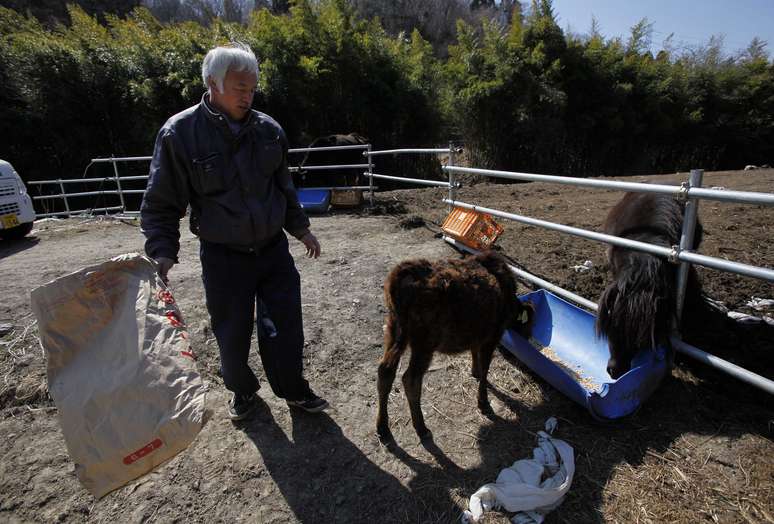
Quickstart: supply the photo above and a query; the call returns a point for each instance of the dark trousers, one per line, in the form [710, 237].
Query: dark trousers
[234, 282]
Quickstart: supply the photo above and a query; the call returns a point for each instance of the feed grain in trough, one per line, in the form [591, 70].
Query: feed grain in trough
[575, 371]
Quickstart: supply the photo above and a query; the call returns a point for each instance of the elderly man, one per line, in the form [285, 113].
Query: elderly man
[229, 162]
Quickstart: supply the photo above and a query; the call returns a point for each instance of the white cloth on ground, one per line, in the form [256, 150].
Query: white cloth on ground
[760, 304]
[531, 487]
[581, 268]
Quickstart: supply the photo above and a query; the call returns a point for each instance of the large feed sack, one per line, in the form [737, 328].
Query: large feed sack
[120, 370]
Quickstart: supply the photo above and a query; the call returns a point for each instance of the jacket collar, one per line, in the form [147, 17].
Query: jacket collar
[221, 120]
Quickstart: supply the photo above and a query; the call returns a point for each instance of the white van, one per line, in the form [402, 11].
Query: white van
[16, 211]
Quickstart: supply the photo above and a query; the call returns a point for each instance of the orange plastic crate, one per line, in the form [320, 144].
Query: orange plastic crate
[474, 229]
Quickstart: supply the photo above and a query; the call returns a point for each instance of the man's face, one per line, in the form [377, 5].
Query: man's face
[237, 96]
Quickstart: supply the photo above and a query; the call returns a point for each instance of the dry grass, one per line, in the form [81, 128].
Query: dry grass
[660, 465]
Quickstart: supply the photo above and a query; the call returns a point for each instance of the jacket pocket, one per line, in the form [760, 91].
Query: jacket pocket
[269, 156]
[209, 174]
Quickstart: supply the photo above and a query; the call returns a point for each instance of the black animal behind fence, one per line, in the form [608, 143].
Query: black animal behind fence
[341, 177]
[638, 308]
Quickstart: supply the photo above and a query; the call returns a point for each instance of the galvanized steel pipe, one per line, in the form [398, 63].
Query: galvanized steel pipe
[724, 365]
[328, 188]
[450, 174]
[400, 151]
[118, 185]
[721, 195]
[89, 193]
[81, 212]
[74, 180]
[370, 178]
[122, 159]
[703, 260]
[690, 217]
[326, 148]
[329, 167]
[411, 180]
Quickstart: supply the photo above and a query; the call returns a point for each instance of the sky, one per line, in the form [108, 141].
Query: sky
[693, 22]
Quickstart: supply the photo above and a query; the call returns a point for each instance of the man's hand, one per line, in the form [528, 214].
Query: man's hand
[164, 264]
[312, 245]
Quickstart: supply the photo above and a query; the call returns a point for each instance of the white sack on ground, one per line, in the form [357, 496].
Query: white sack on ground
[533, 487]
[120, 370]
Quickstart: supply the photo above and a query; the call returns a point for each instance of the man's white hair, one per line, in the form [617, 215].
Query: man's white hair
[219, 60]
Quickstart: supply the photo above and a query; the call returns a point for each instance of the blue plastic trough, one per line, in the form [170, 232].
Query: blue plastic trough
[569, 333]
[314, 200]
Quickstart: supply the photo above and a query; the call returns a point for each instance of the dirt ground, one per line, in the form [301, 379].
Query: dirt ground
[700, 450]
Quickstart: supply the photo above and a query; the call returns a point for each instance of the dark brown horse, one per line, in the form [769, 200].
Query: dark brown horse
[449, 306]
[637, 310]
[326, 178]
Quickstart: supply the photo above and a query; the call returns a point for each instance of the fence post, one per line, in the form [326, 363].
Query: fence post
[118, 185]
[686, 239]
[64, 196]
[452, 192]
[370, 178]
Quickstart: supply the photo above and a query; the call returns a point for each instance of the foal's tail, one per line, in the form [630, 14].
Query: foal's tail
[395, 342]
[402, 290]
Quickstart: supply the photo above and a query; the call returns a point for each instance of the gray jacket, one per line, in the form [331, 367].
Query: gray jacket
[238, 185]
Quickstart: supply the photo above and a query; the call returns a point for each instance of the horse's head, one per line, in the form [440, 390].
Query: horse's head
[620, 361]
[617, 320]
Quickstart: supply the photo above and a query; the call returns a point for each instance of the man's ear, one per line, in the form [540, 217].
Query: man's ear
[212, 85]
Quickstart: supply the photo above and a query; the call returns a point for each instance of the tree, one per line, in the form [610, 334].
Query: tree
[640, 38]
[51, 12]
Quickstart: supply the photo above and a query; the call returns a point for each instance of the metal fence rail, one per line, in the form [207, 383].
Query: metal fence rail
[329, 167]
[327, 148]
[434, 151]
[685, 190]
[429, 151]
[79, 194]
[420, 181]
[63, 195]
[341, 188]
[120, 191]
[121, 159]
[79, 212]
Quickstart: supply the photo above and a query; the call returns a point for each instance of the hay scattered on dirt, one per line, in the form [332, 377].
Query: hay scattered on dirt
[412, 222]
[697, 450]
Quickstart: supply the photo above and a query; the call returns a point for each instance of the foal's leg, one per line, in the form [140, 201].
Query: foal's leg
[484, 359]
[412, 383]
[394, 346]
[475, 365]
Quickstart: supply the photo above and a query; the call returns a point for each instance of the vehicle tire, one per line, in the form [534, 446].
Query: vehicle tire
[17, 232]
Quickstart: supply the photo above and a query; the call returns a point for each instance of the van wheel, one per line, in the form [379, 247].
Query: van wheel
[17, 232]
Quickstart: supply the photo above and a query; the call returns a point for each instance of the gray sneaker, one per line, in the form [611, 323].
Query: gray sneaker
[240, 406]
[311, 403]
